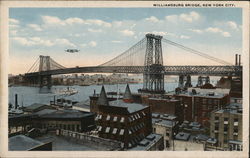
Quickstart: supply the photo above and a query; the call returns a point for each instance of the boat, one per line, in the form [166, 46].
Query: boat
[67, 91]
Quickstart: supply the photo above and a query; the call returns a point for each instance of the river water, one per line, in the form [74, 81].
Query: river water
[30, 95]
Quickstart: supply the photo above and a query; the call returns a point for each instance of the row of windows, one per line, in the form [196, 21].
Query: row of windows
[71, 127]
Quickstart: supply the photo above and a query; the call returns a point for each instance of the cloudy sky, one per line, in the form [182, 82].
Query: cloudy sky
[103, 33]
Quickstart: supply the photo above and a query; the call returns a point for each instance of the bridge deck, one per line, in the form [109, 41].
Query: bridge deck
[167, 70]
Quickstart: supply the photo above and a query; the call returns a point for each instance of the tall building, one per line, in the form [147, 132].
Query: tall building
[226, 127]
[123, 120]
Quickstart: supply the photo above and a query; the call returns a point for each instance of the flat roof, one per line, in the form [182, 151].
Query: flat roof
[166, 123]
[83, 104]
[132, 107]
[34, 106]
[182, 136]
[148, 142]
[22, 143]
[67, 113]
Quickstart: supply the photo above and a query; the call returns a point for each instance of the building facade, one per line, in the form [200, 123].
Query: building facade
[123, 120]
[226, 127]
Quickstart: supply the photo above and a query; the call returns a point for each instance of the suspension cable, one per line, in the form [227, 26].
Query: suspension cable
[196, 52]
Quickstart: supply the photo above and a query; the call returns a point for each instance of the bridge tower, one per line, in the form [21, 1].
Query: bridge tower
[44, 65]
[153, 76]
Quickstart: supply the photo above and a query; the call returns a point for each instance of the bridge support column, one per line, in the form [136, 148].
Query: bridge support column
[153, 76]
[45, 81]
[188, 81]
[181, 81]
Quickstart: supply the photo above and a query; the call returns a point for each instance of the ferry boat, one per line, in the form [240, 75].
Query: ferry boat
[67, 91]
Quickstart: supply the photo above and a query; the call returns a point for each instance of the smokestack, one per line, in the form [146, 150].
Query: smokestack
[239, 60]
[16, 101]
[236, 59]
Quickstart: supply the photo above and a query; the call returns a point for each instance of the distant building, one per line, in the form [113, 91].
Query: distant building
[226, 127]
[123, 120]
[198, 103]
[164, 106]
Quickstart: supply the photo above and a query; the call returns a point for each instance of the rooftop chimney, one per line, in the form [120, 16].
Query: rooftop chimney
[236, 59]
[239, 60]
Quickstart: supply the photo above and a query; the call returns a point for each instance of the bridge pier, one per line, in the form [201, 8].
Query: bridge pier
[184, 81]
[45, 81]
[202, 79]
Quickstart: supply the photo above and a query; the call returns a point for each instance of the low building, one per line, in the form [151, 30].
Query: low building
[153, 142]
[165, 127]
[73, 120]
[226, 127]
[36, 107]
[186, 142]
[123, 120]
[24, 143]
[53, 119]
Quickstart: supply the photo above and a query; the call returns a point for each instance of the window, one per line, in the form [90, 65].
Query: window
[115, 119]
[167, 134]
[216, 118]
[122, 132]
[114, 131]
[154, 130]
[108, 118]
[225, 119]
[236, 120]
[107, 130]
[122, 119]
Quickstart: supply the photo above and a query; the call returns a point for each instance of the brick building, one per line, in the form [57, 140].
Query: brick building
[198, 105]
[123, 120]
[226, 127]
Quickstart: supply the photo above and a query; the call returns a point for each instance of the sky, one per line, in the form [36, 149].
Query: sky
[103, 33]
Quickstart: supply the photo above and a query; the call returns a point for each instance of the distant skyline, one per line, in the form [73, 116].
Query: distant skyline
[103, 33]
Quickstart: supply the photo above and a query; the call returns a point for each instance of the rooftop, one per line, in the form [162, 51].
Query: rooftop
[166, 123]
[132, 107]
[69, 113]
[34, 106]
[83, 104]
[182, 136]
[147, 142]
[22, 143]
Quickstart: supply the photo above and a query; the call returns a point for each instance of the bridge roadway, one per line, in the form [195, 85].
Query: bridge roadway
[168, 70]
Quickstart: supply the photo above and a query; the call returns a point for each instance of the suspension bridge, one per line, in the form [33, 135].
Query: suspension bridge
[145, 57]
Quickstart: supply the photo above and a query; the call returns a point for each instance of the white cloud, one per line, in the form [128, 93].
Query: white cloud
[188, 17]
[127, 32]
[117, 23]
[92, 44]
[63, 41]
[172, 18]
[213, 29]
[52, 20]
[13, 21]
[31, 41]
[184, 37]
[94, 30]
[196, 31]
[232, 25]
[23, 41]
[116, 41]
[226, 34]
[218, 30]
[35, 27]
[152, 19]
